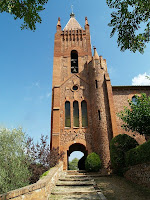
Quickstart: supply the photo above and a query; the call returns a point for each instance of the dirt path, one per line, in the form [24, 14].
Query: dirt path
[118, 188]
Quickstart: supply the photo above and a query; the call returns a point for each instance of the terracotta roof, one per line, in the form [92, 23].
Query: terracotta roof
[134, 87]
[72, 24]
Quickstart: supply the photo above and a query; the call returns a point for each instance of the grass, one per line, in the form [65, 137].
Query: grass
[118, 188]
[44, 174]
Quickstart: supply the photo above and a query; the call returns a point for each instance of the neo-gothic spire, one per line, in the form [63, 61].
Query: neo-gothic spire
[72, 23]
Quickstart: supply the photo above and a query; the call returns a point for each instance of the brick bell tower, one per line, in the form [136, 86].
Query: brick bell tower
[83, 117]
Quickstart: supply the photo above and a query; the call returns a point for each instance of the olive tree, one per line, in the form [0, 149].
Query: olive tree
[14, 164]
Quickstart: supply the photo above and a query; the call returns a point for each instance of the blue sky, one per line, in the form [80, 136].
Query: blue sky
[26, 62]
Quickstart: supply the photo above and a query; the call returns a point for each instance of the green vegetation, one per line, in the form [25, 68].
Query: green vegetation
[44, 174]
[41, 157]
[26, 9]
[73, 165]
[93, 162]
[127, 19]
[136, 117]
[14, 172]
[119, 145]
[22, 162]
[138, 155]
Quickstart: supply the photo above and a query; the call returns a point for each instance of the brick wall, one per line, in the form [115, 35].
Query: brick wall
[38, 191]
[121, 94]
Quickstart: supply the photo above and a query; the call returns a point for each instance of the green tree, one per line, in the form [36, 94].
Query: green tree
[93, 162]
[136, 117]
[28, 10]
[119, 145]
[14, 171]
[127, 19]
[73, 165]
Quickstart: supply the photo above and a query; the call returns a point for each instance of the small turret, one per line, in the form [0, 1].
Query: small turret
[58, 25]
[86, 24]
[95, 56]
[86, 21]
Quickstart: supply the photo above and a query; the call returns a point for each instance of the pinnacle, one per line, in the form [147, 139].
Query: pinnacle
[96, 56]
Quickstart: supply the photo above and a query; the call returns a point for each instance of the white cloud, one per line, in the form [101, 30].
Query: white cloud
[48, 94]
[141, 79]
[36, 84]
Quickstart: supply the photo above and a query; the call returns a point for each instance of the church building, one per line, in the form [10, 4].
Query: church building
[84, 103]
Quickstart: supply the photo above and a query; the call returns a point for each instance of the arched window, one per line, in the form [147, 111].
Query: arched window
[75, 114]
[74, 61]
[134, 100]
[84, 114]
[67, 114]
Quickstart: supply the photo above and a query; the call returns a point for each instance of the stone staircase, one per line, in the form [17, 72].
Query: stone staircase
[76, 185]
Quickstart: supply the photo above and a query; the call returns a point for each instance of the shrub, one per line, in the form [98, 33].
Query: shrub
[41, 157]
[138, 155]
[93, 162]
[119, 145]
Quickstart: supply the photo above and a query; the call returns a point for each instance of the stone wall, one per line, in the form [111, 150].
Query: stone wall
[38, 191]
[139, 174]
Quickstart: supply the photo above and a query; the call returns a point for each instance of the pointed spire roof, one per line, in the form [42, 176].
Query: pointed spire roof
[72, 23]
[96, 56]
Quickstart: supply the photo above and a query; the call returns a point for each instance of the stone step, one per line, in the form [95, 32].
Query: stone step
[73, 197]
[74, 193]
[76, 179]
[74, 172]
[72, 190]
[77, 186]
[75, 183]
[87, 175]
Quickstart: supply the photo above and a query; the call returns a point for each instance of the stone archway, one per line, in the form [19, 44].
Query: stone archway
[78, 147]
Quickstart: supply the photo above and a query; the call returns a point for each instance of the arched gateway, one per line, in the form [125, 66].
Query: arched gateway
[79, 95]
[78, 147]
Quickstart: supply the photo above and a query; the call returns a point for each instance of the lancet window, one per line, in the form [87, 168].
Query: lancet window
[67, 114]
[75, 114]
[84, 114]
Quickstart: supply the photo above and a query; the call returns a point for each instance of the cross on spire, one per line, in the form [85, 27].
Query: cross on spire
[72, 8]
[72, 14]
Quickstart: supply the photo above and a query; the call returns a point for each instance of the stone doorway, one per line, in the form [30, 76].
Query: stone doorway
[81, 148]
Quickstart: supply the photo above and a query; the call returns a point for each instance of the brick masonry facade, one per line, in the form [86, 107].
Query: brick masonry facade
[94, 87]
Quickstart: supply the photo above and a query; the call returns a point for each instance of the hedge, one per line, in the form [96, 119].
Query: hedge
[119, 145]
[93, 162]
[138, 155]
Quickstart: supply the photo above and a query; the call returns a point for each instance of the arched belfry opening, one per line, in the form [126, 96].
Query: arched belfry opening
[78, 147]
[74, 61]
